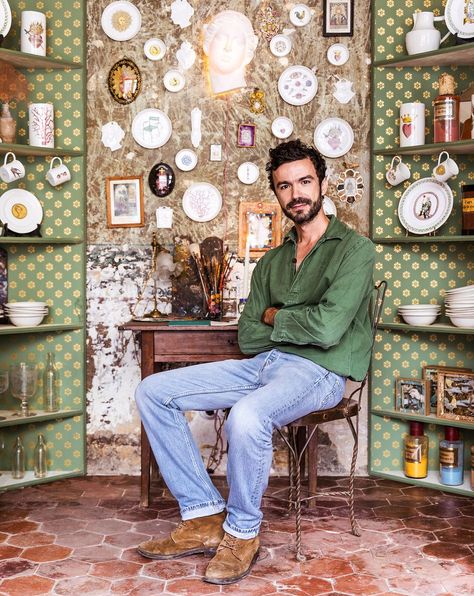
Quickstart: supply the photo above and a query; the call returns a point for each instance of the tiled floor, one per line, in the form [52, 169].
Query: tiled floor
[78, 537]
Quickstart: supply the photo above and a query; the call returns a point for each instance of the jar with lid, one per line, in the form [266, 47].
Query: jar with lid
[446, 111]
[467, 205]
[451, 457]
[415, 453]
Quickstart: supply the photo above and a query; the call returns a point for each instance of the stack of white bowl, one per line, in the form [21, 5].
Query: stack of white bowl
[26, 314]
[459, 305]
[419, 314]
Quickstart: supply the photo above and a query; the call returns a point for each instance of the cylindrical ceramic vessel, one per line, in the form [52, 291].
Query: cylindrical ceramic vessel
[412, 124]
[33, 32]
[41, 124]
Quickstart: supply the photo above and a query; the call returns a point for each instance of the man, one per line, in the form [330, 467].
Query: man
[306, 323]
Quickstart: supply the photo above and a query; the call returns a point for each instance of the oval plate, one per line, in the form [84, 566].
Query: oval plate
[297, 85]
[425, 206]
[124, 81]
[20, 210]
[121, 20]
[333, 137]
[151, 128]
[202, 201]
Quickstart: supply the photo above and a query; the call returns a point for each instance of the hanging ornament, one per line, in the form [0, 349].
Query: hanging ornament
[257, 101]
[350, 185]
[268, 20]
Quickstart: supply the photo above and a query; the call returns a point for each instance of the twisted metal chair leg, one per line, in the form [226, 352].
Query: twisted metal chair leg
[355, 450]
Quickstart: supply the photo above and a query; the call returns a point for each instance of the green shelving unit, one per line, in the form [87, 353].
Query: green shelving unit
[50, 268]
[418, 269]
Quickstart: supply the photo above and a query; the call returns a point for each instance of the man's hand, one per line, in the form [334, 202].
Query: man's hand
[268, 316]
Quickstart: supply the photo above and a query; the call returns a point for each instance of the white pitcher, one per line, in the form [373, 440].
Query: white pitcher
[424, 37]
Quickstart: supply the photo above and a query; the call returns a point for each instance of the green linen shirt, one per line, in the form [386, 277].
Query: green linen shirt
[324, 305]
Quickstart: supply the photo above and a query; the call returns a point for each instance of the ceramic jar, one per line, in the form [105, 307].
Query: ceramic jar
[424, 37]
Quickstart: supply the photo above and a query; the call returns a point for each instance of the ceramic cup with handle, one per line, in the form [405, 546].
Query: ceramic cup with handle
[446, 168]
[398, 171]
[58, 174]
[13, 170]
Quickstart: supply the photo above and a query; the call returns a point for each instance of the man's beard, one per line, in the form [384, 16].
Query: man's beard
[301, 218]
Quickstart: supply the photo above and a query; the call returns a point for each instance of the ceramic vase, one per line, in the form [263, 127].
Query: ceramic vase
[33, 32]
[41, 124]
[412, 124]
[7, 125]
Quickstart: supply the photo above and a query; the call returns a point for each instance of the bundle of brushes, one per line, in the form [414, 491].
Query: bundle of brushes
[213, 274]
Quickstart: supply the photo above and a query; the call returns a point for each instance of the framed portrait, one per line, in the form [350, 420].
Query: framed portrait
[411, 396]
[246, 135]
[338, 18]
[125, 207]
[456, 396]
[261, 224]
[430, 374]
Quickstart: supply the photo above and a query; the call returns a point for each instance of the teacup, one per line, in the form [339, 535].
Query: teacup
[13, 170]
[59, 174]
[398, 172]
[446, 168]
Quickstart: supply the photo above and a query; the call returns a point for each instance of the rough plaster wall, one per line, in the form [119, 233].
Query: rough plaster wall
[118, 258]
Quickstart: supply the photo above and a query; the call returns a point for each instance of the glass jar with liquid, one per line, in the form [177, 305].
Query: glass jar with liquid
[415, 453]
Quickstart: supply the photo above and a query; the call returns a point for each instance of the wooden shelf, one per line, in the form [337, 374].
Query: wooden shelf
[438, 328]
[456, 148]
[37, 240]
[13, 418]
[459, 55]
[8, 483]
[25, 60]
[19, 149]
[422, 239]
[429, 419]
[431, 481]
[46, 328]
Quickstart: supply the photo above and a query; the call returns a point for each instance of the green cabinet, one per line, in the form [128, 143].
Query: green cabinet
[49, 268]
[417, 268]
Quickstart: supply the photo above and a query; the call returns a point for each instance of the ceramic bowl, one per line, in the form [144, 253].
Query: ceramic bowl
[29, 320]
[419, 319]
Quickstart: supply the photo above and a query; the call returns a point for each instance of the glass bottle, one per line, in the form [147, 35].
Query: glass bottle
[467, 205]
[415, 455]
[7, 125]
[40, 458]
[446, 111]
[451, 458]
[18, 460]
[50, 385]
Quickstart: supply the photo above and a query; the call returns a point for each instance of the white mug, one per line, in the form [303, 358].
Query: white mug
[59, 174]
[33, 32]
[13, 170]
[445, 169]
[412, 124]
[397, 173]
[41, 124]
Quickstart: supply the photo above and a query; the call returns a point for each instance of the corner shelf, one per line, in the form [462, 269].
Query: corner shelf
[421, 239]
[19, 149]
[462, 54]
[41, 416]
[431, 481]
[38, 240]
[46, 328]
[8, 483]
[439, 328]
[25, 60]
[455, 148]
[429, 419]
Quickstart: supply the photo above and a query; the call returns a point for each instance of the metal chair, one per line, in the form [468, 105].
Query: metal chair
[299, 445]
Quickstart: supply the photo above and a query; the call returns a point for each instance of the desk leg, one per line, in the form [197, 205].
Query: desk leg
[147, 368]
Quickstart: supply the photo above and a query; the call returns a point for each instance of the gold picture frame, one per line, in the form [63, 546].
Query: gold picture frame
[124, 81]
[430, 372]
[456, 396]
[125, 208]
[261, 222]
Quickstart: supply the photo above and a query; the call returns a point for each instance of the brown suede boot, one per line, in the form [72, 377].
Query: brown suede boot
[191, 537]
[233, 561]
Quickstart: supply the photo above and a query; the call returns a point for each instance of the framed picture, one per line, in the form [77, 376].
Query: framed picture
[456, 396]
[430, 374]
[261, 224]
[338, 18]
[411, 396]
[215, 153]
[125, 202]
[246, 135]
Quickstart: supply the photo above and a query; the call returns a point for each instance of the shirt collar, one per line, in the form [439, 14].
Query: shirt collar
[335, 230]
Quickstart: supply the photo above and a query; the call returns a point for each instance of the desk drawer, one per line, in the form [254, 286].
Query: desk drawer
[195, 345]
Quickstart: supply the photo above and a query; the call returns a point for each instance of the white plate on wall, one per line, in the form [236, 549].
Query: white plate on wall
[5, 17]
[186, 160]
[280, 45]
[121, 20]
[300, 15]
[457, 21]
[282, 127]
[20, 210]
[248, 172]
[154, 48]
[337, 54]
[425, 206]
[174, 81]
[202, 202]
[297, 85]
[333, 137]
[151, 128]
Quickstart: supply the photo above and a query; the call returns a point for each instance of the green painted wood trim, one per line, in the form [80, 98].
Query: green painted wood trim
[428, 482]
[60, 415]
[47, 328]
[52, 476]
[18, 149]
[456, 148]
[428, 328]
[463, 54]
[35, 240]
[430, 419]
[25, 60]
[422, 239]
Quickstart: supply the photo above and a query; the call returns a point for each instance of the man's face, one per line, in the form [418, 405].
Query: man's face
[298, 190]
[227, 50]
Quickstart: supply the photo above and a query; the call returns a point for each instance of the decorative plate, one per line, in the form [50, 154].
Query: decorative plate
[297, 85]
[333, 137]
[425, 206]
[337, 54]
[174, 81]
[151, 128]
[186, 160]
[121, 20]
[459, 18]
[248, 172]
[5, 17]
[124, 81]
[161, 179]
[202, 201]
[20, 210]
[280, 45]
[329, 207]
[154, 48]
[282, 127]
[300, 15]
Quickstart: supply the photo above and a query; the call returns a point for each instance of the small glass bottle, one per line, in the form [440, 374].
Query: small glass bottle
[467, 206]
[40, 458]
[50, 385]
[415, 454]
[18, 460]
[451, 458]
[446, 111]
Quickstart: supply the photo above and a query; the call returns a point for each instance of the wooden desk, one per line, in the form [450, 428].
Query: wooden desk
[181, 343]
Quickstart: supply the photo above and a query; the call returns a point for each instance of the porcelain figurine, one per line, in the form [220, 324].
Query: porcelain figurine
[186, 56]
[112, 135]
[181, 13]
[343, 92]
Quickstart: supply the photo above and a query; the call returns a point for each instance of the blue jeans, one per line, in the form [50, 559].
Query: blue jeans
[265, 392]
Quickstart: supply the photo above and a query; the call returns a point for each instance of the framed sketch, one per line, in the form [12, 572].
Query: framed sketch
[246, 135]
[430, 374]
[338, 18]
[125, 207]
[261, 223]
[456, 396]
[411, 396]
[215, 153]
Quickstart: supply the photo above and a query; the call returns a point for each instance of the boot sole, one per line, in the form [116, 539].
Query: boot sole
[187, 553]
[232, 580]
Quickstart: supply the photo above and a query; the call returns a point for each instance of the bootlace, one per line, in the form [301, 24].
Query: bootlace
[229, 542]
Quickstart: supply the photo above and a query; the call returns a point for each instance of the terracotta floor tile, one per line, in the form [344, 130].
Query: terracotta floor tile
[116, 569]
[137, 586]
[304, 585]
[446, 550]
[96, 554]
[63, 569]
[462, 522]
[10, 567]
[49, 552]
[31, 539]
[171, 569]
[9, 552]
[381, 524]
[327, 567]
[18, 527]
[3, 537]
[254, 586]
[126, 539]
[411, 537]
[191, 586]
[92, 586]
[463, 584]
[12, 513]
[367, 562]
[135, 515]
[457, 535]
[426, 523]
[28, 585]
[395, 511]
[360, 583]
[66, 525]
[275, 564]
[109, 526]
[81, 538]
[443, 510]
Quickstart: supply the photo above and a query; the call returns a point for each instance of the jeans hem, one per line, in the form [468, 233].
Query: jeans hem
[202, 510]
[242, 534]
